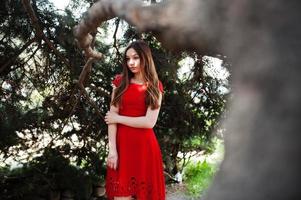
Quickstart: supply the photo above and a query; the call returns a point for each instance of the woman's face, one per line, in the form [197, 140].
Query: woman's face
[133, 61]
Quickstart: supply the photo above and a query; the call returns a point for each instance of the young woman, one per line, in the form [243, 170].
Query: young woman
[135, 167]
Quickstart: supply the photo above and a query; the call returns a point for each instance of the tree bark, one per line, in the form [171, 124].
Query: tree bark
[176, 33]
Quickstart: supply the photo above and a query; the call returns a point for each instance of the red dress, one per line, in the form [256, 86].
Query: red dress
[140, 167]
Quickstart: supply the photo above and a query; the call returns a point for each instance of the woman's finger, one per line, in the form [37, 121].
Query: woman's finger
[114, 165]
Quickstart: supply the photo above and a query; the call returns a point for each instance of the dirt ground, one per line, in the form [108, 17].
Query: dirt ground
[176, 192]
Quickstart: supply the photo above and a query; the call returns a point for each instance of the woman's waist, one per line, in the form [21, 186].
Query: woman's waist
[132, 113]
[122, 127]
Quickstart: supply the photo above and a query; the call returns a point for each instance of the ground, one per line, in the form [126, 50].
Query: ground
[176, 192]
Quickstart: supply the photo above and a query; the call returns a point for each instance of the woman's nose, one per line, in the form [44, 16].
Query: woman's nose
[131, 61]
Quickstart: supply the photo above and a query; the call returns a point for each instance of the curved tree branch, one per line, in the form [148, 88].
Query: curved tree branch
[176, 33]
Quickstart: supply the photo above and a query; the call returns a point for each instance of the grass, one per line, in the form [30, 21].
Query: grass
[198, 177]
[199, 173]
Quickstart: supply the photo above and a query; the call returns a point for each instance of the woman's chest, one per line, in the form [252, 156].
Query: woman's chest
[134, 96]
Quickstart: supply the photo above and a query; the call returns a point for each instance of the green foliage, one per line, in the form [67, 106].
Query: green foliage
[47, 173]
[198, 177]
[8, 116]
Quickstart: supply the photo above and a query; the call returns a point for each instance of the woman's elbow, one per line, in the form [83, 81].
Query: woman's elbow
[150, 124]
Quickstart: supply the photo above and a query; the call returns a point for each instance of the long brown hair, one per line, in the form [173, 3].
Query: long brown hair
[148, 71]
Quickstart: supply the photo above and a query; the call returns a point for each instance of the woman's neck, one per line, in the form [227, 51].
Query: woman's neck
[138, 78]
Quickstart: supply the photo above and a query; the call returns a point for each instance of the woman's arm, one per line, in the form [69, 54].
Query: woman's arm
[112, 130]
[147, 121]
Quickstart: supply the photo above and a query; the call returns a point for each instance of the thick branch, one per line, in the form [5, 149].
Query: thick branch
[84, 75]
[177, 33]
[82, 79]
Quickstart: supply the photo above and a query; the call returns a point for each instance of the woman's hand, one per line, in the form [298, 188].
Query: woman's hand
[111, 117]
[112, 160]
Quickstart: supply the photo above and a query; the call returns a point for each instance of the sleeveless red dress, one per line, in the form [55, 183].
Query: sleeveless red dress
[140, 166]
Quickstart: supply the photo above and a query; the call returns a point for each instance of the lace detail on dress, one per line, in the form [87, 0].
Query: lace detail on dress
[140, 190]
